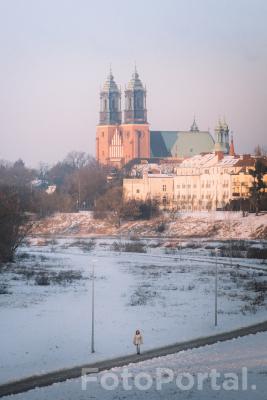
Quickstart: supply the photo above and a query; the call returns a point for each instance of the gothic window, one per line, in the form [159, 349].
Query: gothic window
[103, 134]
[164, 188]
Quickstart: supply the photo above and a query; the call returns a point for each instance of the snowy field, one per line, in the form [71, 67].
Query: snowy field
[148, 379]
[45, 300]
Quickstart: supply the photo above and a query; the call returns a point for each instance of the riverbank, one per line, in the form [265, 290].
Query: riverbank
[213, 225]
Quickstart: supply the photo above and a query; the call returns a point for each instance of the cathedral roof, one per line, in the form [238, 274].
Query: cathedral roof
[135, 83]
[110, 85]
[180, 143]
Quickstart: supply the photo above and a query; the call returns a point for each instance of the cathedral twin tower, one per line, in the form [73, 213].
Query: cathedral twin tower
[119, 142]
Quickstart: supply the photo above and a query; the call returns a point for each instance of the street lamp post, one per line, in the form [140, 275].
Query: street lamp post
[216, 289]
[93, 310]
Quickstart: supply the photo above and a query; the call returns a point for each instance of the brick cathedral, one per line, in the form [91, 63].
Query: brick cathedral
[119, 140]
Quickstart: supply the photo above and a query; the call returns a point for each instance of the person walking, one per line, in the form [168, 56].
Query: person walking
[138, 340]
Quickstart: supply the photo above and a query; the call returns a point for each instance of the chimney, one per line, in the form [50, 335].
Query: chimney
[220, 155]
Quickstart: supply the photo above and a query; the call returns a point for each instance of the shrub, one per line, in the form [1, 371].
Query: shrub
[130, 247]
[161, 227]
[84, 245]
[256, 252]
[135, 247]
[139, 210]
[142, 296]
[3, 289]
[42, 280]
[64, 277]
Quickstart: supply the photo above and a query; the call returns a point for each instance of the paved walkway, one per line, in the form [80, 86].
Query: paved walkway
[47, 379]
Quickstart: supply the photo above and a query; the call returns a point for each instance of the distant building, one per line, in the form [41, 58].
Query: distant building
[51, 189]
[203, 182]
[118, 143]
[120, 140]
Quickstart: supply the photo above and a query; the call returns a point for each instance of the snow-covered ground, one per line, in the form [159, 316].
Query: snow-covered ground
[214, 224]
[170, 297]
[244, 358]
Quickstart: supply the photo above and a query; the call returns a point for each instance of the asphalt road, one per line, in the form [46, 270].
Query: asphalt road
[47, 379]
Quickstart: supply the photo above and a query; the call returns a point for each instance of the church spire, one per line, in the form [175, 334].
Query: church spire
[194, 127]
[232, 147]
[110, 102]
[222, 137]
[135, 101]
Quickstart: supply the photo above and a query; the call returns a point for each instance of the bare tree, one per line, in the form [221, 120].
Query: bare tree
[78, 159]
[260, 151]
[13, 224]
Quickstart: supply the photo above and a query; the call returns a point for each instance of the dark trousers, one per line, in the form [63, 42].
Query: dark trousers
[138, 348]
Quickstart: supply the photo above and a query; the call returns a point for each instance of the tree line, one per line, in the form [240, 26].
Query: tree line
[79, 182]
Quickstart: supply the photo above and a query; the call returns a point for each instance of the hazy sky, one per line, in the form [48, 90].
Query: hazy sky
[203, 57]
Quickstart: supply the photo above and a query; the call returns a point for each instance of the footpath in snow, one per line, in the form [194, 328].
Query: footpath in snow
[239, 365]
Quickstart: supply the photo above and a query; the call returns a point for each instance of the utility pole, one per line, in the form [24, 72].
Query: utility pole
[93, 310]
[79, 191]
[216, 288]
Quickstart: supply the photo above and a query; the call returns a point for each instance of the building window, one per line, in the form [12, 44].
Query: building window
[137, 191]
[164, 188]
[103, 134]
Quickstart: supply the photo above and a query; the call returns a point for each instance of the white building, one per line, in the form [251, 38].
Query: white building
[203, 182]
